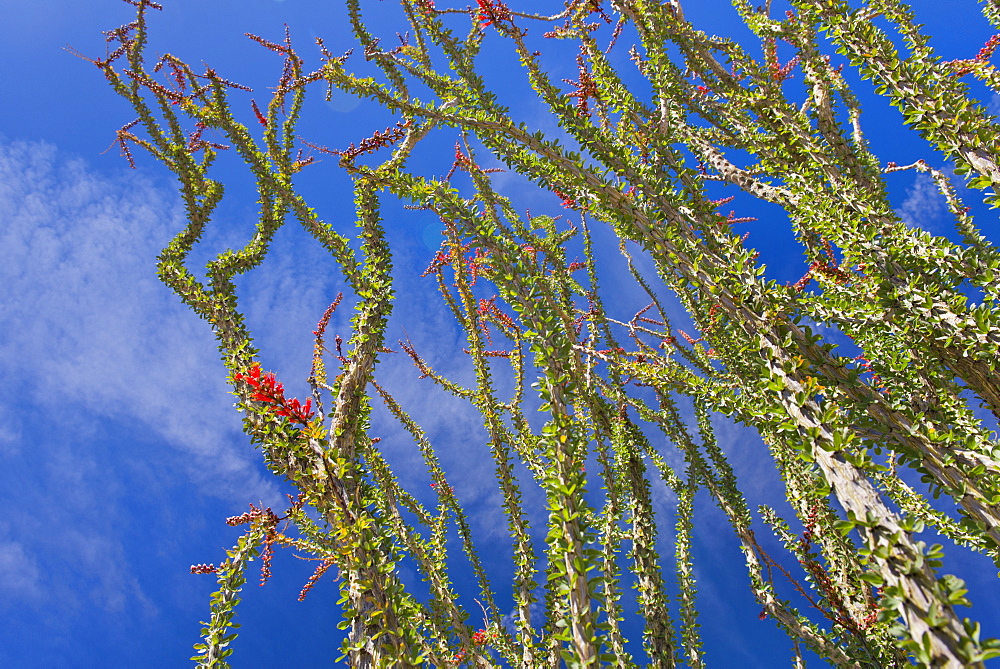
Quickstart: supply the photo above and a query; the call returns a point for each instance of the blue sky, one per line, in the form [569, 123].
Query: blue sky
[120, 453]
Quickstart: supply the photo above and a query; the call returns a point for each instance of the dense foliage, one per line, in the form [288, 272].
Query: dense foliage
[652, 153]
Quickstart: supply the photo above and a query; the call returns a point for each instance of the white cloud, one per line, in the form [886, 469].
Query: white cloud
[85, 324]
[19, 573]
[10, 432]
[110, 585]
[924, 205]
[115, 396]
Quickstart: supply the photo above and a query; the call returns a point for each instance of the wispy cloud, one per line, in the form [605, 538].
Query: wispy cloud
[86, 324]
[109, 382]
[924, 206]
[20, 576]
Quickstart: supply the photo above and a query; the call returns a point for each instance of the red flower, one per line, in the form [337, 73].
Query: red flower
[491, 11]
[268, 390]
[203, 569]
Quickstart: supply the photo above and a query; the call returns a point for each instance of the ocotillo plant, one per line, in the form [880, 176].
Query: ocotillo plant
[652, 155]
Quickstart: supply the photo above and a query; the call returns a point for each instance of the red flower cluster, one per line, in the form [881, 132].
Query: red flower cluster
[440, 260]
[567, 201]
[962, 67]
[689, 339]
[379, 140]
[778, 71]
[487, 309]
[196, 143]
[480, 638]
[838, 612]
[253, 514]
[260, 116]
[267, 389]
[865, 365]
[733, 219]
[584, 89]
[475, 263]
[987, 51]
[491, 11]
[204, 569]
[316, 575]
[461, 160]
[826, 268]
